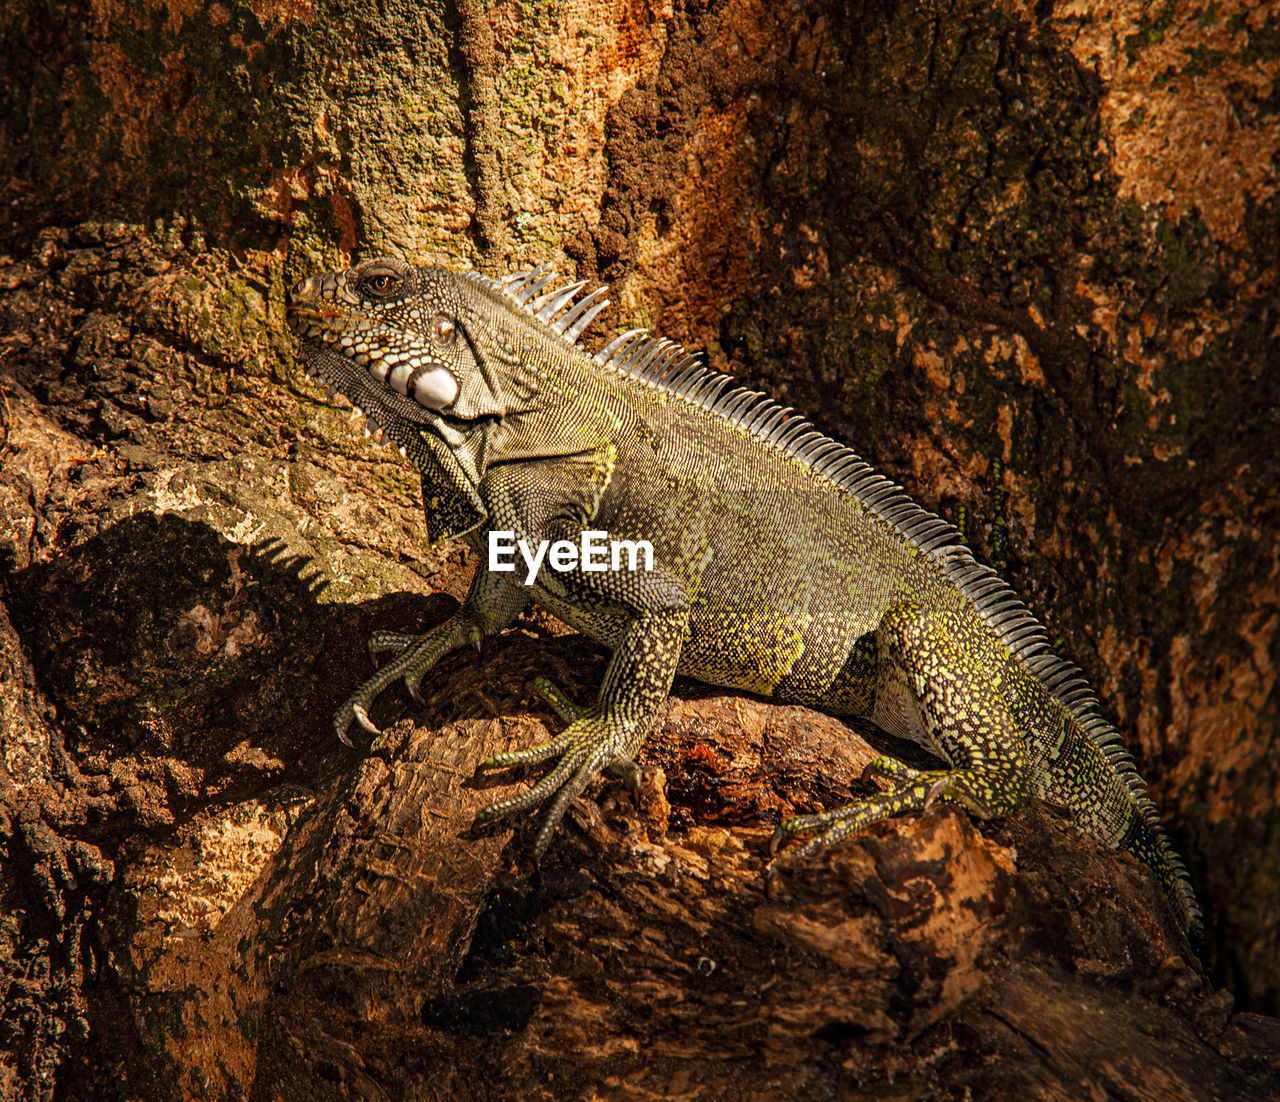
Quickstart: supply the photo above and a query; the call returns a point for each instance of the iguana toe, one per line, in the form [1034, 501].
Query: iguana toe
[886, 768]
[382, 641]
[559, 701]
[530, 755]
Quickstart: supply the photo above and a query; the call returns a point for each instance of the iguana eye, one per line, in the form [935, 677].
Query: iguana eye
[443, 331]
[381, 283]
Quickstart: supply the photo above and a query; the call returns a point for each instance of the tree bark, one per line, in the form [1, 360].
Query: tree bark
[1043, 234]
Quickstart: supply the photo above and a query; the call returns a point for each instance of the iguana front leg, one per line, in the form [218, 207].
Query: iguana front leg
[492, 602]
[650, 609]
[935, 686]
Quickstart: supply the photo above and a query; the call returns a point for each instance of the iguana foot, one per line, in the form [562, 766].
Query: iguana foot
[624, 769]
[593, 742]
[418, 653]
[989, 794]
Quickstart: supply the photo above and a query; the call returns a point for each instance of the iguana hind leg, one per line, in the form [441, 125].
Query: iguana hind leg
[941, 687]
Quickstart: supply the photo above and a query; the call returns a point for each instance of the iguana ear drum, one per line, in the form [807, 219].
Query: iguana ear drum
[434, 387]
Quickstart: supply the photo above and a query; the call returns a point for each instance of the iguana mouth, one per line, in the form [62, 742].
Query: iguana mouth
[381, 406]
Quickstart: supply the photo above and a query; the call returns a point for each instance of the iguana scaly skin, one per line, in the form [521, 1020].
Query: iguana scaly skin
[783, 564]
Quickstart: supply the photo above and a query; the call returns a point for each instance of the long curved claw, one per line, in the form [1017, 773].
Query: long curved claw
[356, 708]
[776, 839]
[417, 654]
[341, 722]
[938, 788]
[352, 711]
[630, 774]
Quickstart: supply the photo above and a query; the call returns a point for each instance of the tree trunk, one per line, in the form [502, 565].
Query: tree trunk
[1021, 256]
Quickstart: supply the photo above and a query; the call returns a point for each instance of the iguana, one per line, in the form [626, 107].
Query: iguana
[783, 564]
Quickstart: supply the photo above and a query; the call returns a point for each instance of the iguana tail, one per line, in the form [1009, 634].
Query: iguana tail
[1095, 777]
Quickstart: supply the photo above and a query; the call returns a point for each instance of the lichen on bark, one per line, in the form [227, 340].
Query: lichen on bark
[1039, 233]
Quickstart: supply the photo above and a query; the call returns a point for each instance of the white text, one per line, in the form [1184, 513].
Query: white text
[594, 552]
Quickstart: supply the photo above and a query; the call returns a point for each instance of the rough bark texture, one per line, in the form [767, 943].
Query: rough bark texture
[1040, 233]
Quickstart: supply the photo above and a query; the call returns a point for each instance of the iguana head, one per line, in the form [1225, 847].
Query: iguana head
[394, 340]
[401, 338]
[454, 367]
